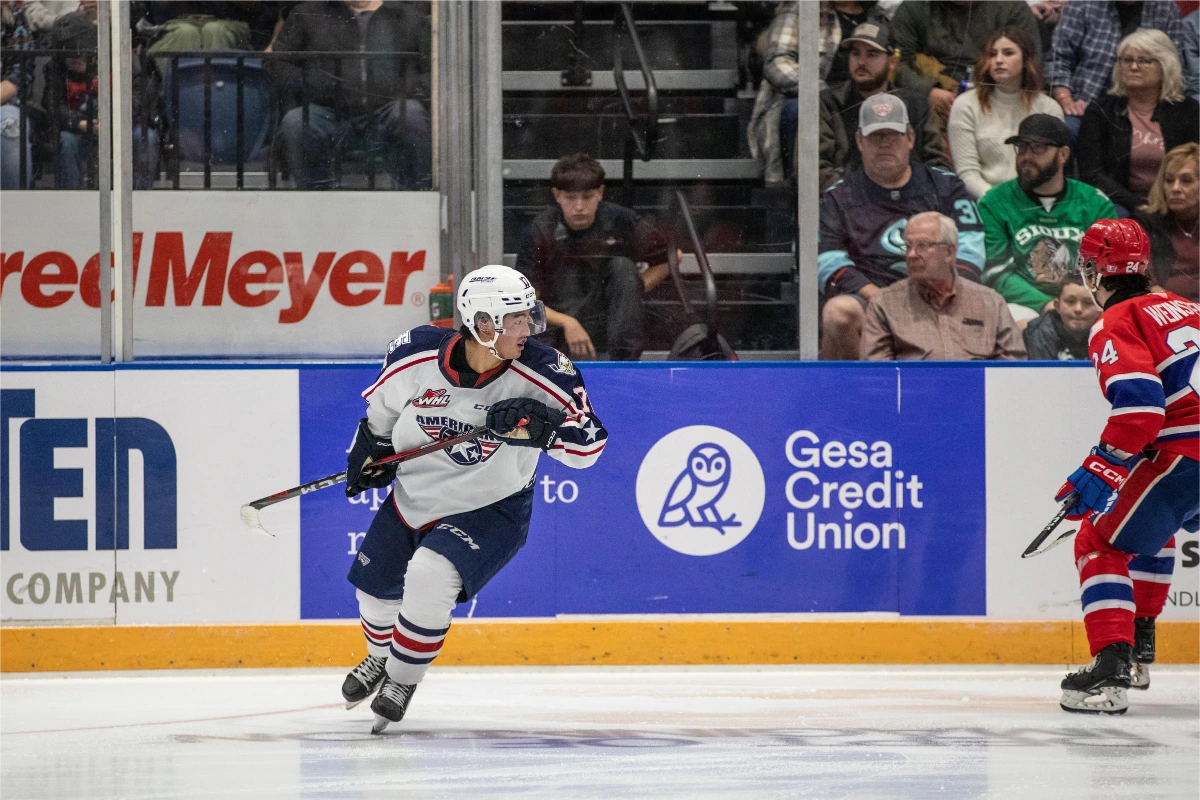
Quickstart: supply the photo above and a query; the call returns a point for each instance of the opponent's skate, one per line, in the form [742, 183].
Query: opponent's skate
[1143, 652]
[363, 680]
[391, 703]
[1100, 687]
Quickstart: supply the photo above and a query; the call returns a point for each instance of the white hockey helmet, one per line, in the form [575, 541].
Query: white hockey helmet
[497, 290]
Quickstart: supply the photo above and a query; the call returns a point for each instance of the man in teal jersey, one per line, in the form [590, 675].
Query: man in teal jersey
[1033, 224]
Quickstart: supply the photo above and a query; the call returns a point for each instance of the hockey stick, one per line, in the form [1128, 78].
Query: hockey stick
[1032, 549]
[250, 511]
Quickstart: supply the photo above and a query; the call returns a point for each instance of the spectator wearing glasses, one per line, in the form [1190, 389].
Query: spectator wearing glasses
[1125, 133]
[871, 60]
[934, 314]
[1035, 222]
[860, 249]
[1171, 218]
[369, 106]
[1084, 47]
[1008, 88]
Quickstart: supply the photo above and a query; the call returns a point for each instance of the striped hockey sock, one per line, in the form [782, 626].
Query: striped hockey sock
[413, 648]
[1151, 577]
[1106, 590]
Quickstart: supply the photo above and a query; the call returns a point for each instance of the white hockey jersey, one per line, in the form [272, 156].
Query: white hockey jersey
[419, 398]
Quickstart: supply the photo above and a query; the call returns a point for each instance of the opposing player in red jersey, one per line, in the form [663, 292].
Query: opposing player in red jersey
[1140, 484]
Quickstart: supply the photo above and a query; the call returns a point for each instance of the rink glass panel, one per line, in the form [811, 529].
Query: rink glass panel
[560, 97]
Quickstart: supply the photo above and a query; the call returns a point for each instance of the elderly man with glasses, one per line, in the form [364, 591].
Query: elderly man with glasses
[934, 314]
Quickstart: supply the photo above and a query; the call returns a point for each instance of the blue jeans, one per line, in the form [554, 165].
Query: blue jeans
[73, 158]
[403, 147]
[10, 149]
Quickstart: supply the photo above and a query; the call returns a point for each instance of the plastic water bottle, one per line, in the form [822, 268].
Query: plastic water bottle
[441, 304]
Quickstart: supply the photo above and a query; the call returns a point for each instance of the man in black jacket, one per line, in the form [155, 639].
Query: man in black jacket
[375, 106]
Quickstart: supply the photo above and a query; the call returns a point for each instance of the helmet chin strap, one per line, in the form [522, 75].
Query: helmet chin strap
[491, 346]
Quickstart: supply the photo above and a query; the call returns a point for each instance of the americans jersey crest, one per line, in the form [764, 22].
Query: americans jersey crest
[467, 454]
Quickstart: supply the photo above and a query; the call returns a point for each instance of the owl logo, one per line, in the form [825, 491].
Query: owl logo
[693, 497]
[706, 504]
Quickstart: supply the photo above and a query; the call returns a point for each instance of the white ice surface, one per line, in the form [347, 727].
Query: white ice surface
[597, 733]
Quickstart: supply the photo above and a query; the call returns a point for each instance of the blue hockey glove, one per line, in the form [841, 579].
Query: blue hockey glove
[525, 422]
[368, 447]
[1096, 484]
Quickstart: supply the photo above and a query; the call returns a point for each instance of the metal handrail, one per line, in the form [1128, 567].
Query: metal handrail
[644, 144]
[710, 284]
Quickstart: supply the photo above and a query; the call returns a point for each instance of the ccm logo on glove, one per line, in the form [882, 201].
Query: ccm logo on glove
[1101, 467]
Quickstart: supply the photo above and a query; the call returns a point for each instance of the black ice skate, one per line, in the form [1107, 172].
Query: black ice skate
[391, 703]
[1100, 687]
[363, 680]
[1143, 652]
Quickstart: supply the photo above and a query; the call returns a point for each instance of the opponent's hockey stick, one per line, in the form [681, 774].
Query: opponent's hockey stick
[250, 510]
[1033, 550]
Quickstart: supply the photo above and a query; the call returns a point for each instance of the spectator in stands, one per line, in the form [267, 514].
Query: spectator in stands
[863, 217]
[374, 106]
[934, 314]
[1085, 47]
[838, 21]
[1061, 333]
[940, 41]
[582, 256]
[42, 14]
[1048, 13]
[1189, 54]
[1171, 218]
[1125, 133]
[1034, 223]
[778, 88]
[71, 96]
[871, 61]
[1008, 88]
[212, 24]
[16, 81]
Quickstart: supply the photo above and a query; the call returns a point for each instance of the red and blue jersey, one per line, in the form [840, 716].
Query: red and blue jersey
[1146, 351]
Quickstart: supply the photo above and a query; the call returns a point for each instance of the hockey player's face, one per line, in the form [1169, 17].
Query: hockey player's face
[579, 208]
[517, 328]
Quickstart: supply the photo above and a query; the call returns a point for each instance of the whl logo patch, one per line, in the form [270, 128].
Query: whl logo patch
[433, 398]
[700, 490]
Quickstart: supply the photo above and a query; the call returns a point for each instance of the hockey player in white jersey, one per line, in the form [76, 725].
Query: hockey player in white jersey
[455, 518]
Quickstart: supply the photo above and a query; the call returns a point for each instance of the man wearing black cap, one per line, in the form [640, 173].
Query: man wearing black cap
[1033, 224]
[871, 60]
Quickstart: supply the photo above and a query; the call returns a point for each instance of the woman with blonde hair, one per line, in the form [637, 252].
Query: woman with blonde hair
[1125, 134]
[1171, 217]
[1008, 88]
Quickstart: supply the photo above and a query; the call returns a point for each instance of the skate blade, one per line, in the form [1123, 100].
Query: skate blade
[1109, 700]
[354, 703]
[1139, 677]
[380, 725]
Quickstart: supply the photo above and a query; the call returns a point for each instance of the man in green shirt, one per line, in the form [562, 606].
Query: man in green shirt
[1033, 224]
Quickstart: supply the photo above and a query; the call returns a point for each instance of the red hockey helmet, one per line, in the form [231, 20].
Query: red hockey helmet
[1113, 247]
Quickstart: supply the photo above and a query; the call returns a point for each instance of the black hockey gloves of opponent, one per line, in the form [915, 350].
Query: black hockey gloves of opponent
[525, 422]
[360, 474]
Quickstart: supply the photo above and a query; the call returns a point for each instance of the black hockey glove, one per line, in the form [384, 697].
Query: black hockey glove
[368, 447]
[525, 422]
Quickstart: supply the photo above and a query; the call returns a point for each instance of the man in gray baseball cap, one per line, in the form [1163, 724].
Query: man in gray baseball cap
[861, 247]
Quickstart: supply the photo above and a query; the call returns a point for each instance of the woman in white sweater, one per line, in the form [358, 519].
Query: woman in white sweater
[1008, 88]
